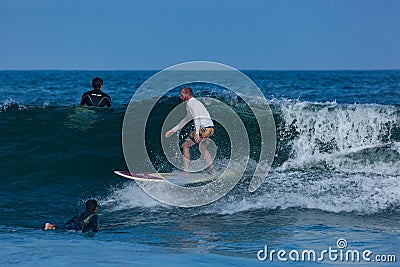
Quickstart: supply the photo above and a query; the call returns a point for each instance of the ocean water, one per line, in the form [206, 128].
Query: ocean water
[335, 178]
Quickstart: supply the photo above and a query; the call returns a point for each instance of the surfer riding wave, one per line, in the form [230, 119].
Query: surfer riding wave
[204, 128]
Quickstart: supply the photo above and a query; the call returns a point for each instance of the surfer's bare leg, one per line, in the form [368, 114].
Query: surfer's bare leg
[186, 159]
[206, 154]
[186, 146]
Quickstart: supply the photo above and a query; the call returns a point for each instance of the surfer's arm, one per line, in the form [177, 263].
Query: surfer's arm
[71, 221]
[83, 100]
[182, 123]
[95, 224]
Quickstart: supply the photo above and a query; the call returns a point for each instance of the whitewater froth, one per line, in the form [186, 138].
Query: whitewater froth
[335, 135]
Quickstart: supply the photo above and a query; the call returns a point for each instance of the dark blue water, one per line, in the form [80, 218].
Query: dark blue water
[336, 173]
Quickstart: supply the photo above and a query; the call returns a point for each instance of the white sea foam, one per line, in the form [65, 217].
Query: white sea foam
[12, 103]
[9, 103]
[396, 146]
[332, 192]
[331, 133]
[128, 197]
[335, 193]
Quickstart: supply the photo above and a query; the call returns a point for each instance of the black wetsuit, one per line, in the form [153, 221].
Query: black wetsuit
[96, 98]
[85, 221]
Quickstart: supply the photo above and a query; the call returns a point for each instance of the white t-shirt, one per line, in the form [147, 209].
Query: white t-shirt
[197, 112]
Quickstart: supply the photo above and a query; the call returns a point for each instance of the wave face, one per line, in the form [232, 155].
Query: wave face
[332, 157]
[336, 156]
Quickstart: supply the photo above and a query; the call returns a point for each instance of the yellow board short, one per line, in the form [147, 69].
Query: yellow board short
[205, 132]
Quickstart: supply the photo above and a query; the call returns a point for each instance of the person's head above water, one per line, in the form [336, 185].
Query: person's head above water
[91, 205]
[97, 83]
[186, 94]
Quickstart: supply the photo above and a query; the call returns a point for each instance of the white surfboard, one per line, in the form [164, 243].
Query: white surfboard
[175, 178]
[141, 176]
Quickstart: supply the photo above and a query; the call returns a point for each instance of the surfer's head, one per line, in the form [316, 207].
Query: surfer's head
[91, 205]
[186, 94]
[97, 83]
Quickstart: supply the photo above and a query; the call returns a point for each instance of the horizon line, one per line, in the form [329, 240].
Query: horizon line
[245, 69]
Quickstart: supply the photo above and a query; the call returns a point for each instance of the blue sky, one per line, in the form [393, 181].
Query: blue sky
[134, 35]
